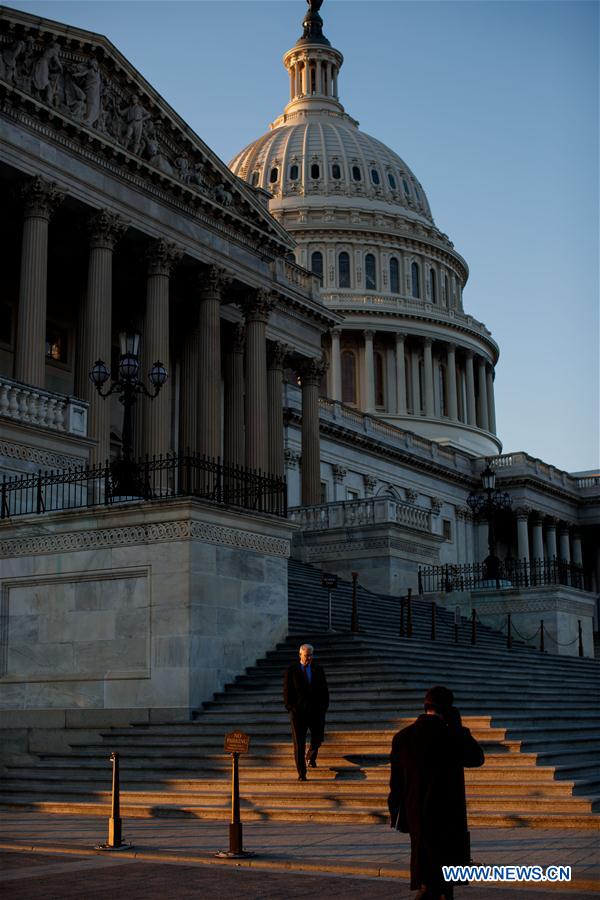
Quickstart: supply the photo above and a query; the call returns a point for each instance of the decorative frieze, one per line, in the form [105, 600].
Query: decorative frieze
[38, 457]
[155, 532]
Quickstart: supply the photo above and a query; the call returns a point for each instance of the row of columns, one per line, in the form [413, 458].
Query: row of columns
[546, 538]
[479, 406]
[252, 434]
[326, 77]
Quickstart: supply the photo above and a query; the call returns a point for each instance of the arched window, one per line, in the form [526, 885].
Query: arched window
[316, 264]
[356, 173]
[336, 172]
[392, 181]
[394, 276]
[446, 294]
[370, 276]
[348, 377]
[273, 175]
[414, 274]
[433, 285]
[255, 179]
[344, 270]
[315, 171]
[294, 172]
[379, 388]
[375, 176]
[406, 187]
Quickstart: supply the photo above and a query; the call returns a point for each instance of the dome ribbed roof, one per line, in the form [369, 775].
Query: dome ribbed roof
[318, 152]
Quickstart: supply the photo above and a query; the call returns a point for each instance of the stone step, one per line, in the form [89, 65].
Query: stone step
[264, 788]
[588, 822]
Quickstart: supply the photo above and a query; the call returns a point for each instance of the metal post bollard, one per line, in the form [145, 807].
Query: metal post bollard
[473, 627]
[509, 633]
[580, 637]
[402, 600]
[354, 620]
[541, 635]
[115, 841]
[235, 743]
[409, 624]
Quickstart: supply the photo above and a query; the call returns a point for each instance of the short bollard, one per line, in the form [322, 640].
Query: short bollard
[542, 636]
[409, 622]
[236, 742]
[114, 841]
[580, 635]
[401, 632]
[354, 627]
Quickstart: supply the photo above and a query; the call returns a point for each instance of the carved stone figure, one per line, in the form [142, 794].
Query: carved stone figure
[222, 195]
[8, 61]
[197, 175]
[45, 73]
[135, 116]
[157, 159]
[184, 172]
[92, 88]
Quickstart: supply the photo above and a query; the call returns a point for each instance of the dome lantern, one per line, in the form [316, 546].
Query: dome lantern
[313, 66]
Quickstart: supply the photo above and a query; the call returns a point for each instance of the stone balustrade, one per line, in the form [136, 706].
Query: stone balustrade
[358, 513]
[363, 423]
[29, 405]
[516, 464]
[405, 305]
[290, 273]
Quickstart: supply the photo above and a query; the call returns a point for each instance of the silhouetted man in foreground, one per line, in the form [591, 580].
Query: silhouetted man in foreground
[427, 792]
[306, 698]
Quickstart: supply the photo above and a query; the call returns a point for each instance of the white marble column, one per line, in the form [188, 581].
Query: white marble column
[339, 474]
[451, 382]
[256, 313]
[369, 373]
[471, 413]
[551, 539]
[415, 382]
[234, 447]
[400, 375]
[336, 365]
[95, 342]
[311, 373]
[537, 538]
[564, 544]
[214, 285]
[490, 398]
[523, 533]
[482, 405]
[428, 377]
[40, 199]
[576, 551]
[276, 356]
[162, 256]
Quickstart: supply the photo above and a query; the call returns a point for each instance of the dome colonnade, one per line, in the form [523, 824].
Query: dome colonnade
[406, 349]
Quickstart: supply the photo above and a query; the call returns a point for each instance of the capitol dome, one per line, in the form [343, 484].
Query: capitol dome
[407, 351]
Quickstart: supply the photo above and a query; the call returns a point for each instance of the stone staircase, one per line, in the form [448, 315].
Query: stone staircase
[537, 716]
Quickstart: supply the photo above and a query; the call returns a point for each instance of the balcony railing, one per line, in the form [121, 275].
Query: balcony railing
[152, 478]
[29, 405]
[512, 573]
[358, 513]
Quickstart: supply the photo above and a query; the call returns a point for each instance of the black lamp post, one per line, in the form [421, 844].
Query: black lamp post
[485, 506]
[126, 481]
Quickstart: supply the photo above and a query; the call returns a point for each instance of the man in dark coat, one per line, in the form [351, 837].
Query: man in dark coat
[427, 792]
[306, 698]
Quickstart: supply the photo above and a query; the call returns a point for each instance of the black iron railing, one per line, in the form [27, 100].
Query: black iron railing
[151, 478]
[516, 573]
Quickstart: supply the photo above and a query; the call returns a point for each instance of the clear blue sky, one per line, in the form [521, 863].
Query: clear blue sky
[494, 105]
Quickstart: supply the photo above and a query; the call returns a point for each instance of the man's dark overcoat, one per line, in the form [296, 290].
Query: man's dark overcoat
[300, 697]
[427, 795]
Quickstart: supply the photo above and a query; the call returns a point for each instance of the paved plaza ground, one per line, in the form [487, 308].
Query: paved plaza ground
[53, 857]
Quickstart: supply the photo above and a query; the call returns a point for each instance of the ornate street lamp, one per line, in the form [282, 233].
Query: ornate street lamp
[127, 385]
[485, 506]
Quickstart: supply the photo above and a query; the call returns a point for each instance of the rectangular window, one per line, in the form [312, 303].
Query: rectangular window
[351, 495]
[323, 492]
[447, 529]
[57, 342]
